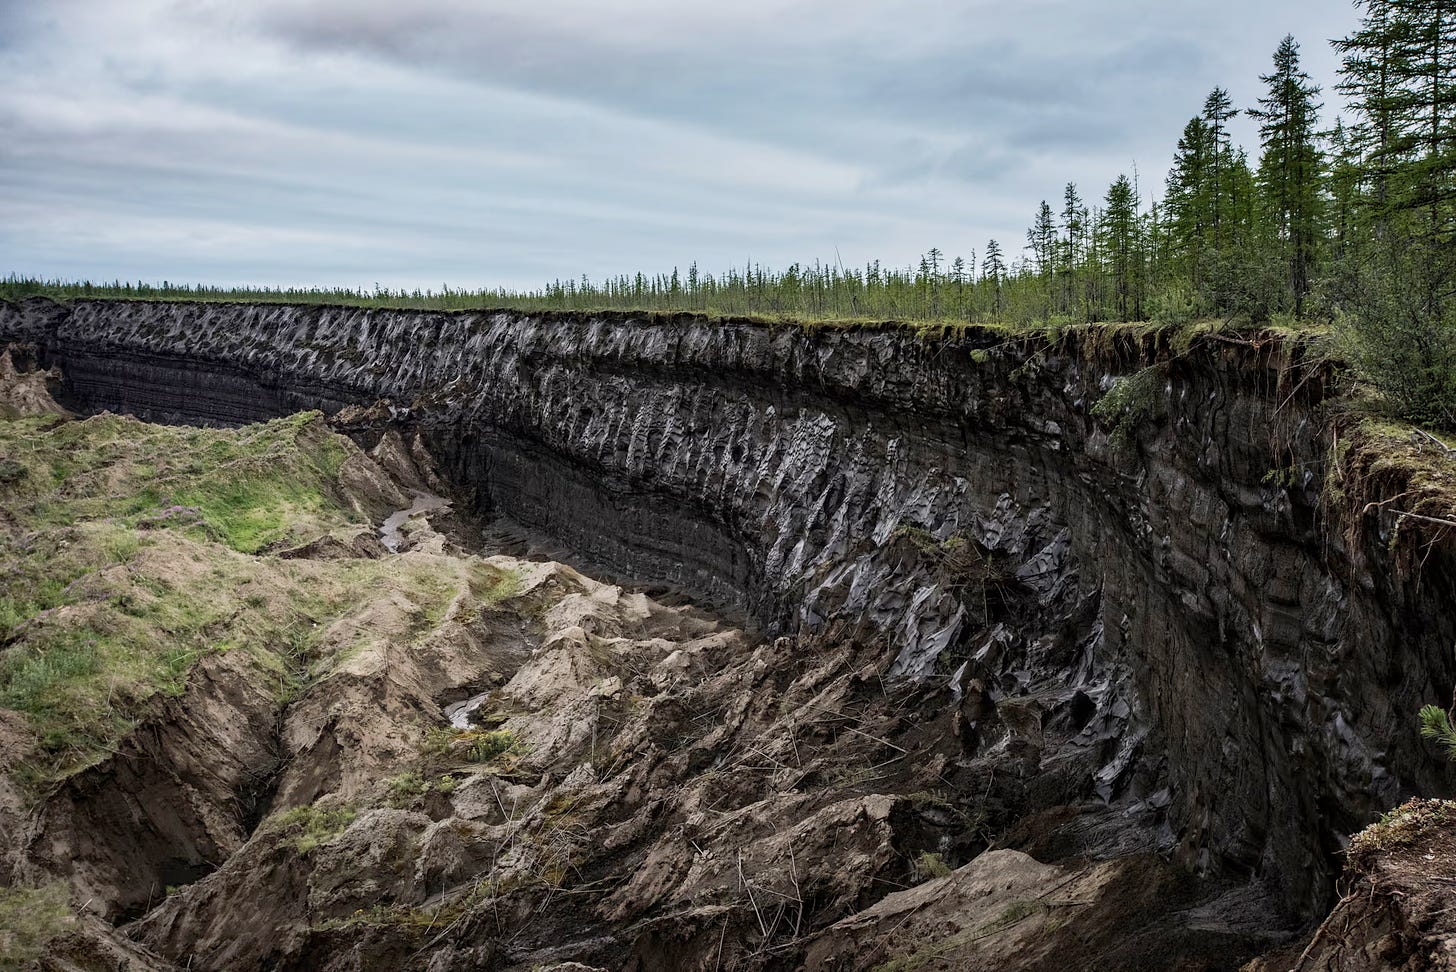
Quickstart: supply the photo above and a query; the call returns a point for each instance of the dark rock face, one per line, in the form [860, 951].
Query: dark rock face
[1171, 631]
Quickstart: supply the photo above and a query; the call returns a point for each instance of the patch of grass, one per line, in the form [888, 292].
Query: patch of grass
[405, 919]
[307, 828]
[245, 487]
[494, 586]
[473, 745]
[406, 788]
[30, 919]
[123, 572]
[146, 559]
[1394, 469]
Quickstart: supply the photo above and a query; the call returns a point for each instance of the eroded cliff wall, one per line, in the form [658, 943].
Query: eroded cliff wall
[1170, 640]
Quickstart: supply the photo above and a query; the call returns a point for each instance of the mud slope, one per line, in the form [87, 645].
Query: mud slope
[1172, 628]
[288, 724]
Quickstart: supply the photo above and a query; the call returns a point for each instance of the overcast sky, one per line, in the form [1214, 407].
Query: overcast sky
[420, 142]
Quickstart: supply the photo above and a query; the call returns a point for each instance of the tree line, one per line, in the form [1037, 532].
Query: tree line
[1346, 222]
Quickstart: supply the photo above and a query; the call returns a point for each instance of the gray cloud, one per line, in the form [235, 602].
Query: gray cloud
[331, 141]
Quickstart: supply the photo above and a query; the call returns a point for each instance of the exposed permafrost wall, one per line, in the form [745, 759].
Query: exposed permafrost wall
[1179, 636]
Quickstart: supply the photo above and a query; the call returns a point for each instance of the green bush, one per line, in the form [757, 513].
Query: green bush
[1397, 328]
[929, 865]
[1132, 401]
[308, 827]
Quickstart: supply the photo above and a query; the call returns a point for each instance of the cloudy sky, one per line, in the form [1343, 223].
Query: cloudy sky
[478, 142]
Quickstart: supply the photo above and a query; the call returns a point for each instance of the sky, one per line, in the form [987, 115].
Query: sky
[482, 144]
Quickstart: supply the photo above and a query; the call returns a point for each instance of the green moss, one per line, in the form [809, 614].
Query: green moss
[495, 586]
[1408, 825]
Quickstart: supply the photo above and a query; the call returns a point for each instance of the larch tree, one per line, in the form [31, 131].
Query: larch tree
[1190, 200]
[1218, 108]
[1041, 239]
[993, 272]
[1289, 181]
[1121, 247]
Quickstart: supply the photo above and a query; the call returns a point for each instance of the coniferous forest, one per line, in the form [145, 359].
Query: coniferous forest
[1343, 222]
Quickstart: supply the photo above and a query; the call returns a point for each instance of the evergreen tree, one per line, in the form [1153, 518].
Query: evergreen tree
[1074, 220]
[1190, 200]
[1399, 70]
[1121, 246]
[1218, 108]
[993, 271]
[1289, 179]
[1344, 187]
[1041, 239]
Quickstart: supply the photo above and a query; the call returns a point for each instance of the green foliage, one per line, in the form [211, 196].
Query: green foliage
[473, 745]
[492, 743]
[30, 919]
[929, 865]
[403, 789]
[1398, 330]
[1175, 304]
[309, 827]
[94, 619]
[1131, 402]
[499, 586]
[1289, 183]
[406, 788]
[1436, 725]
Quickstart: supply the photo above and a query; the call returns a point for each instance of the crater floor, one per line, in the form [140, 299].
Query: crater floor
[233, 741]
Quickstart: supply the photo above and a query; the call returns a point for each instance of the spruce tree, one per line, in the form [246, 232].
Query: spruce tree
[1218, 108]
[1190, 200]
[993, 271]
[1290, 171]
[1074, 221]
[1041, 239]
[1121, 246]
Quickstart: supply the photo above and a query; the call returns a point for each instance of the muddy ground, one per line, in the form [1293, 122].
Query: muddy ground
[638, 785]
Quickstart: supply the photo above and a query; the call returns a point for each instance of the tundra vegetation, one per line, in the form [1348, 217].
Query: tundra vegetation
[117, 525]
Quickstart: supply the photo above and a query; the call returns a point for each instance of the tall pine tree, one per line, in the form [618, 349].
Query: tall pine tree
[1290, 171]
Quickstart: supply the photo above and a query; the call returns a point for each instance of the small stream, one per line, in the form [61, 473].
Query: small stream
[424, 503]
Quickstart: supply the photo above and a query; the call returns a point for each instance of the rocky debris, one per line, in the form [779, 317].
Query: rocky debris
[25, 392]
[646, 789]
[1005, 910]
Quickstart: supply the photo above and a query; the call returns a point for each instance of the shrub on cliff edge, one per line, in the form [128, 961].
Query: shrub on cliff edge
[1397, 328]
